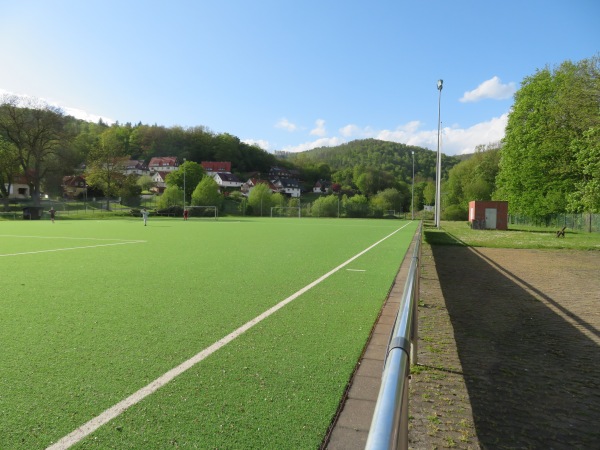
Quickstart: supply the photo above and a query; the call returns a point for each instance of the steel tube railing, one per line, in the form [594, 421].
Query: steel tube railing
[389, 427]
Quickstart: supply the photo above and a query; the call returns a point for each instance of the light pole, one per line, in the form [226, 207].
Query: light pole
[438, 180]
[412, 195]
[184, 160]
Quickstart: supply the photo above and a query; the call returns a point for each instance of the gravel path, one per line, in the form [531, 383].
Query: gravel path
[509, 354]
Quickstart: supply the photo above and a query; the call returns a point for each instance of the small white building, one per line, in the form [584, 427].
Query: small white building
[19, 189]
[159, 179]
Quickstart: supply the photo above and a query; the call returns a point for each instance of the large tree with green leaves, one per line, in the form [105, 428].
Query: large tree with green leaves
[9, 167]
[189, 174]
[106, 163]
[207, 193]
[473, 178]
[540, 167]
[260, 199]
[587, 194]
[38, 133]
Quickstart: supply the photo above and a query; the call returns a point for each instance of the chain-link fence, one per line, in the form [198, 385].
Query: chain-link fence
[579, 222]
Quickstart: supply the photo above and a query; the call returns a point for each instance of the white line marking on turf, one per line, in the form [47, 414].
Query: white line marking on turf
[68, 237]
[114, 411]
[356, 270]
[71, 248]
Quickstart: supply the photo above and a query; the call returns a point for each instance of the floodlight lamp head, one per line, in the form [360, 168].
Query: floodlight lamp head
[440, 84]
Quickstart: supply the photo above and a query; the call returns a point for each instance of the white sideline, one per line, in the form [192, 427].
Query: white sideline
[92, 425]
[71, 248]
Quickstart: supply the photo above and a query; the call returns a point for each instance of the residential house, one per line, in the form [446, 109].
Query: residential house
[159, 179]
[74, 186]
[226, 179]
[288, 186]
[278, 172]
[19, 189]
[247, 187]
[322, 187]
[216, 166]
[163, 164]
[136, 167]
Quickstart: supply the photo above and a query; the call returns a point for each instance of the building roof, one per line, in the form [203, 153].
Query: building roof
[227, 176]
[216, 166]
[163, 161]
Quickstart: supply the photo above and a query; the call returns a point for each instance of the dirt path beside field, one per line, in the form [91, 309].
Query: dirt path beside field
[509, 354]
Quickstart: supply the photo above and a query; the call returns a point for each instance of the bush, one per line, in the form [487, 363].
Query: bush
[455, 213]
[175, 210]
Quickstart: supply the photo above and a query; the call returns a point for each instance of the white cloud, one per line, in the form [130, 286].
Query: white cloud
[258, 142]
[34, 102]
[492, 88]
[349, 130]
[322, 142]
[286, 125]
[454, 140]
[319, 130]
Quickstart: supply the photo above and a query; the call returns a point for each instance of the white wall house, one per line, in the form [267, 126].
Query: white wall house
[226, 179]
[163, 164]
[159, 181]
[136, 167]
[288, 186]
[19, 189]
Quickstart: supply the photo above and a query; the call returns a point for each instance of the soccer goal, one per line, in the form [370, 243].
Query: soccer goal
[286, 211]
[203, 212]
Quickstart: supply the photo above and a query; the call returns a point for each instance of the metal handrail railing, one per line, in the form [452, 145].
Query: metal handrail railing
[389, 427]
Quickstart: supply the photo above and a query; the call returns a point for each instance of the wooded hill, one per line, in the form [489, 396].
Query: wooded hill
[392, 157]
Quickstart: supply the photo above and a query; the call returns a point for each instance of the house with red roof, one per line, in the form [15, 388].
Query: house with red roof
[216, 166]
[163, 164]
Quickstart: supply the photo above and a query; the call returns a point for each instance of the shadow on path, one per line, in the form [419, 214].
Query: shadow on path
[532, 371]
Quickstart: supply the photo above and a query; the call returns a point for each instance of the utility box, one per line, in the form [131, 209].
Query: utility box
[488, 215]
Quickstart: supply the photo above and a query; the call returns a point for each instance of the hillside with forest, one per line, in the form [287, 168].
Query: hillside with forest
[392, 157]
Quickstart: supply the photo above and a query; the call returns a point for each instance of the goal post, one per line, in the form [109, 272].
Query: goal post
[199, 212]
[286, 211]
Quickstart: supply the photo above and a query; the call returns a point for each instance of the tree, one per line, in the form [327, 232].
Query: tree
[372, 181]
[39, 135]
[172, 196]
[325, 206]
[429, 193]
[207, 193]
[130, 191]
[106, 164]
[474, 178]
[145, 182]
[587, 194]
[356, 206]
[9, 167]
[189, 174]
[553, 109]
[386, 200]
[259, 199]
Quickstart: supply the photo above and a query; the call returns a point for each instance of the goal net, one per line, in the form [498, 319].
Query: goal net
[199, 212]
[286, 211]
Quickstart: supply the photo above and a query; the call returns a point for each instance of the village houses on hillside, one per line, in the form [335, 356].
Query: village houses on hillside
[279, 179]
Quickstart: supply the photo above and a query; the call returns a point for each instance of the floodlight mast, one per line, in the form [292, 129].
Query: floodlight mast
[440, 85]
[184, 160]
[412, 195]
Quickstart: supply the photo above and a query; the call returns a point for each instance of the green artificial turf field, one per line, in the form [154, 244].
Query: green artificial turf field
[93, 311]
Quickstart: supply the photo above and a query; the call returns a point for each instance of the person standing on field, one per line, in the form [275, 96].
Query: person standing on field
[52, 214]
[145, 216]
[185, 214]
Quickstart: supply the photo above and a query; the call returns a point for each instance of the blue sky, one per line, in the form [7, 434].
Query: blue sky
[293, 75]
